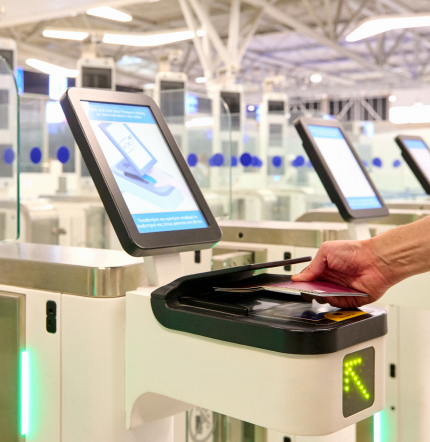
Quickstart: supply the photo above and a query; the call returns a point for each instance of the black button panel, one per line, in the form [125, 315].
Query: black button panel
[51, 317]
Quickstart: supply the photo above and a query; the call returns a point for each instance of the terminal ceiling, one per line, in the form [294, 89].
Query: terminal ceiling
[292, 38]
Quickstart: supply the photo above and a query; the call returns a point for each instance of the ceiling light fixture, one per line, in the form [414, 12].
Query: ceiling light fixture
[378, 25]
[51, 69]
[147, 40]
[109, 13]
[392, 98]
[316, 78]
[201, 80]
[200, 32]
[66, 35]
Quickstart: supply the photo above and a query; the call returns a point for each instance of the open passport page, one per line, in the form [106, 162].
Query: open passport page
[283, 284]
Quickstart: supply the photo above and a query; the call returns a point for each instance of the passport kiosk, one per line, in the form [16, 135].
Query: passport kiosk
[342, 173]
[250, 355]
[417, 156]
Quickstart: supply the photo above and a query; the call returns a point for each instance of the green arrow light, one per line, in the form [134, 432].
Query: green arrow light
[358, 381]
[351, 376]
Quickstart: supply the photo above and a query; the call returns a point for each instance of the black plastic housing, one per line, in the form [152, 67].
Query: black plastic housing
[282, 335]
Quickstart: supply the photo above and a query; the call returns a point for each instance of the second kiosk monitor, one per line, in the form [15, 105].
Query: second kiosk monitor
[417, 155]
[340, 169]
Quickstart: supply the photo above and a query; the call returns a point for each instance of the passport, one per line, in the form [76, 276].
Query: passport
[283, 284]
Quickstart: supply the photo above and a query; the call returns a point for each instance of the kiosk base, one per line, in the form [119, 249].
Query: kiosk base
[270, 389]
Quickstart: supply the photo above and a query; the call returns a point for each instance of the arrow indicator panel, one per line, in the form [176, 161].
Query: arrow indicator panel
[358, 381]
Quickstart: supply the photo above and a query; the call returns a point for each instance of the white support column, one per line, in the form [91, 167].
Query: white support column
[233, 30]
[202, 53]
[255, 22]
[358, 231]
[162, 269]
[212, 33]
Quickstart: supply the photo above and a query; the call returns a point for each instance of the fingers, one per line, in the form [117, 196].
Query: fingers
[348, 301]
[314, 269]
[310, 298]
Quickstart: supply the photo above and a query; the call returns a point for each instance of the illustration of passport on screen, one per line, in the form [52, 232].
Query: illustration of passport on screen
[137, 167]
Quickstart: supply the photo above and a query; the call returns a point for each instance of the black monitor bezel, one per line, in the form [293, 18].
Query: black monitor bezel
[327, 177]
[410, 160]
[133, 242]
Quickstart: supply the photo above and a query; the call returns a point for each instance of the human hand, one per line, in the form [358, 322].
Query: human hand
[352, 264]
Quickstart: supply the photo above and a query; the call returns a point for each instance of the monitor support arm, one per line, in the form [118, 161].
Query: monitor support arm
[358, 231]
[162, 269]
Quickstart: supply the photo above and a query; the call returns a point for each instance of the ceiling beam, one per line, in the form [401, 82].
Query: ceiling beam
[298, 70]
[293, 23]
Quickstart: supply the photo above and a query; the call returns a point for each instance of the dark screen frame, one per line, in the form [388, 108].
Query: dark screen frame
[326, 175]
[133, 242]
[410, 160]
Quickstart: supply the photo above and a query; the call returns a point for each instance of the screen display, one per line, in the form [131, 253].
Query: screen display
[358, 381]
[153, 187]
[421, 154]
[344, 167]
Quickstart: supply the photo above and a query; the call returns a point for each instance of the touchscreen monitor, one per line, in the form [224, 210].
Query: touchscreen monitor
[340, 169]
[417, 155]
[133, 158]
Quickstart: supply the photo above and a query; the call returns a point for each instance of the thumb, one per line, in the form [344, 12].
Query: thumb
[313, 270]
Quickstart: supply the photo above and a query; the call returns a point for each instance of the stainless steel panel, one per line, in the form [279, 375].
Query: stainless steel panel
[397, 217]
[12, 342]
[73, 270]
[282, 233]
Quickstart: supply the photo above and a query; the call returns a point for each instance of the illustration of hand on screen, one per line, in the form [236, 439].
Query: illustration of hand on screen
[163, 179]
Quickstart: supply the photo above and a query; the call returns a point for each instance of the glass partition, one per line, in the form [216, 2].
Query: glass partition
[273, 178]
[9, 154]
[382, 158]
[47, 148]
[203, 132]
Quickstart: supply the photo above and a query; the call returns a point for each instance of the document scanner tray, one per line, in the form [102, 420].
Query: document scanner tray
[272, 321]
